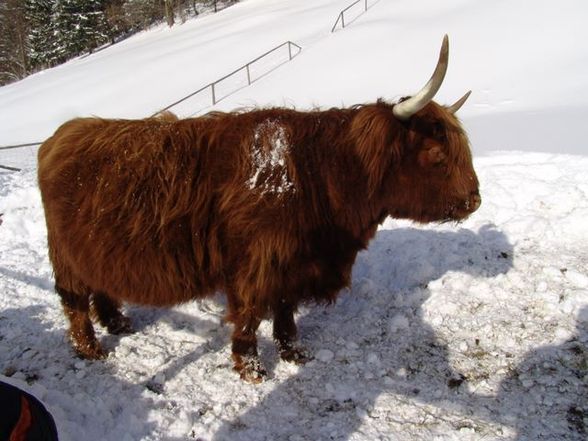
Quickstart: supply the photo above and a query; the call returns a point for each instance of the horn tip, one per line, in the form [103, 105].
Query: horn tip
[445, 46]
[460, 102]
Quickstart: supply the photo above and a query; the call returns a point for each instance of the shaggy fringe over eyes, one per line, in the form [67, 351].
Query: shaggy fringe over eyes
[438, 124]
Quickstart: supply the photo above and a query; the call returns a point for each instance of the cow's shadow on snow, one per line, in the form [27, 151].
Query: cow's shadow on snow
[39, 282]
[548, 391]
[89, 399]
[375, 340]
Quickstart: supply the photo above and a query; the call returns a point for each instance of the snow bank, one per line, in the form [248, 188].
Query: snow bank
[474, 331]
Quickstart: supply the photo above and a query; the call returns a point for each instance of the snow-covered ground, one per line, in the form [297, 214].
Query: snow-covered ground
[476, 331]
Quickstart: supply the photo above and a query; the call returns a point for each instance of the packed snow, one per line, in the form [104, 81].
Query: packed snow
[469, 331]
[269, 152]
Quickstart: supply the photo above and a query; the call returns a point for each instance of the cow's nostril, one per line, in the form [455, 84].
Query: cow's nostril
[475, 201]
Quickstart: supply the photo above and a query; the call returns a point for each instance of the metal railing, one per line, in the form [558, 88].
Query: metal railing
[17, 146]
[341, 16]
[213, 86]
[293, 51]
[246, 67]
[6, 167]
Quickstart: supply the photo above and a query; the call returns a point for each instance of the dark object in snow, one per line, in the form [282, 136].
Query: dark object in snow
[454, 383]
[270, 206]
[155, 387]
[23, 417]
[576, 417]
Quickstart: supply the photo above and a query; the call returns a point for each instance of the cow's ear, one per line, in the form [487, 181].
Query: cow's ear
[371, 131]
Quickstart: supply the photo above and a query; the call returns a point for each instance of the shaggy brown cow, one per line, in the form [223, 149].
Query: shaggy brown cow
[270, 206]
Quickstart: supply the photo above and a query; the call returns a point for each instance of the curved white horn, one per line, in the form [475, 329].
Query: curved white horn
[457, 105]
[406, 109]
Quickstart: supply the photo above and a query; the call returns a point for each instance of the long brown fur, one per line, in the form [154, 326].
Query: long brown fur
[269, 206]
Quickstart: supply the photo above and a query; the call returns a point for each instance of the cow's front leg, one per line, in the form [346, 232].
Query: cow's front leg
[245, 357]
[285, 334]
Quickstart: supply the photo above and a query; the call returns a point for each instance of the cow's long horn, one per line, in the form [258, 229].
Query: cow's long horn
[406, 109]
[457, 105]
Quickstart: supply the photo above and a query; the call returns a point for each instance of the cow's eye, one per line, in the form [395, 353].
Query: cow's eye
[439, 131]
[437, 156]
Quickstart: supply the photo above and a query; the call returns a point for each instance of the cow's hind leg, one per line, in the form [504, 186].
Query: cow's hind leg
[244, 343]
[285, 334]
[107, 311]
[81, 332]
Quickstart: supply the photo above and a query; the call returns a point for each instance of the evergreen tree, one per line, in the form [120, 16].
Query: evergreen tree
[41, 36]
[36, 34]
[80, 25]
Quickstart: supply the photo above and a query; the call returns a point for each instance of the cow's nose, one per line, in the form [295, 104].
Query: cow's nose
[475, 201]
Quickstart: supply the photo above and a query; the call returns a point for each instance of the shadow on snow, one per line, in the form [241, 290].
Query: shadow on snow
[380, 342]
[382, 345]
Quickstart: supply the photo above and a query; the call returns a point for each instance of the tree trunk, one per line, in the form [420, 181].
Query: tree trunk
[169, 12]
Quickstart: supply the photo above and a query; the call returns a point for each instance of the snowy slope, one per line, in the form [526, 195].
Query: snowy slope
[525, 60]
[471, 331]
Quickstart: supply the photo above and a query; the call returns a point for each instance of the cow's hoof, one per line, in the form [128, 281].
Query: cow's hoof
[120, 325]
[295, 355]
[250, 368]
[253, 376]
[90, 351]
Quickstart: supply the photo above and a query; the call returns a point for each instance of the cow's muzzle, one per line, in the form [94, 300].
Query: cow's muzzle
[465, 208]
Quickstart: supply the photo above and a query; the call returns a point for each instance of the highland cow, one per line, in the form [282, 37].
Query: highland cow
[269, 206]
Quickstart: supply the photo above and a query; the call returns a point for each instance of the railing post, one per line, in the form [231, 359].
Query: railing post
[248, 75]
[335, 25]
[341, 15]
[289, 50]
[213, 94]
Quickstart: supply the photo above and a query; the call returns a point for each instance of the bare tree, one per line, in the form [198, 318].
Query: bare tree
[169, 12]
[14, 63]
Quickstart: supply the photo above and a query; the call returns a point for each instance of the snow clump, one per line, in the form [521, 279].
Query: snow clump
[269, 172]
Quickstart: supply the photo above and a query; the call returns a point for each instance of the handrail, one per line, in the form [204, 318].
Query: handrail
[5, 167]
[17, 146]
[341, 15]
[246, 66]
[212, 86]
[8, 147]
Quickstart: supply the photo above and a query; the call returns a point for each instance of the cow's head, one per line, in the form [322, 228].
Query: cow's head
[429, 175]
